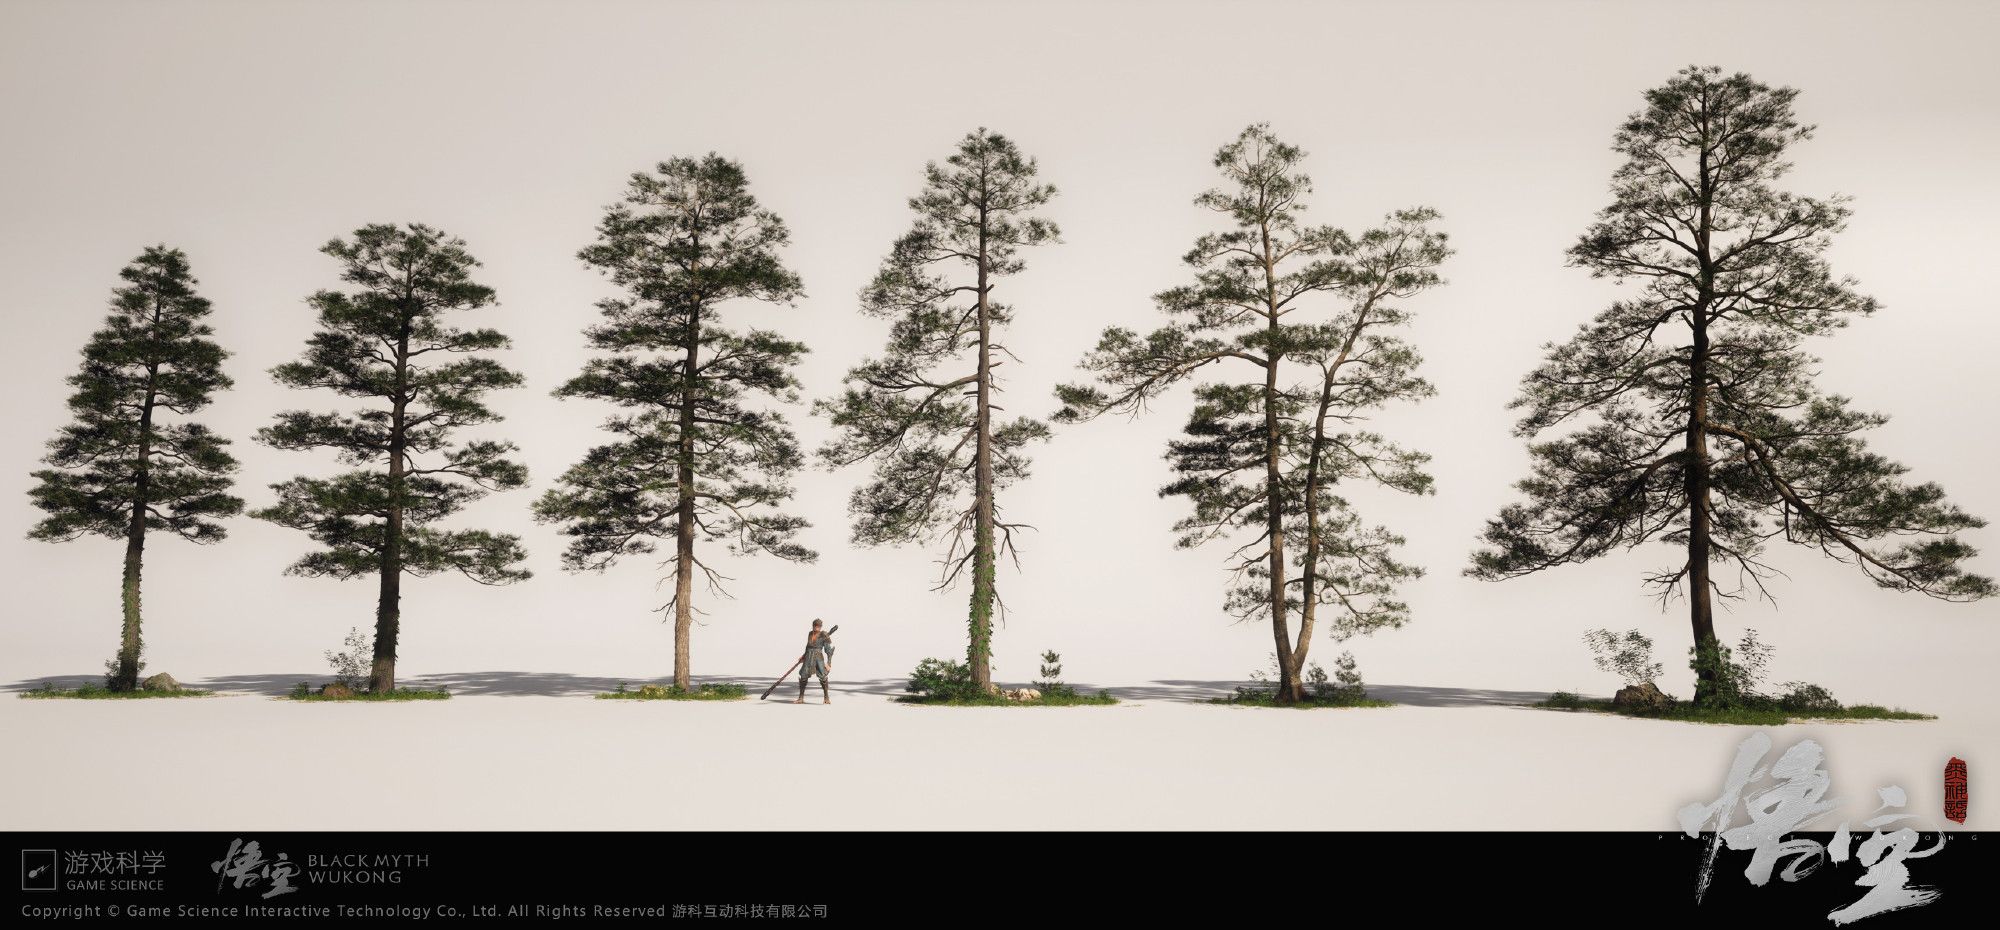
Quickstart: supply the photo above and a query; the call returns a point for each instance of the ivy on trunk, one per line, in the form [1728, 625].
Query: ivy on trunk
[925, 410]
[130, 462]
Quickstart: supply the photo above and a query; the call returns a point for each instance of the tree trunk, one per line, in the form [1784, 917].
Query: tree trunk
[389, 602]
[127, 676]
[684, 521]
[1308, 597]
[979, 649]
[1290, 689]
[1701, 612]
[129, 641]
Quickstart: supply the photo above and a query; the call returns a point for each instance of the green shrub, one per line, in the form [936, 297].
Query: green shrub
[943, 679]
[111, 672]
[1737, 674]
[92, 691]
[1051, 685]
[1345, 687]
[1564, 700]
[355, 666]
[1807, 698]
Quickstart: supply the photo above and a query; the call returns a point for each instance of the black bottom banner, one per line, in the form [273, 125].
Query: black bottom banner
[1900, 878]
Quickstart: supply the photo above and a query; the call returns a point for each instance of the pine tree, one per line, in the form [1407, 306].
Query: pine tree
[693, 463]
[1311, 311]
[1696, 419]
[940, 457]
[130, 461]
[387, 341]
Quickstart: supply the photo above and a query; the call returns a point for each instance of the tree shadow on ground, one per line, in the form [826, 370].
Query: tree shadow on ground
[558, 684]
[1187, 691]
[484, 684]
[64, 682]
[1432, 696]
[493, 683]
[497, 683]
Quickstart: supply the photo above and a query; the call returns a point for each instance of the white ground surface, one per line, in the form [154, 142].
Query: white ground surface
[529, 751]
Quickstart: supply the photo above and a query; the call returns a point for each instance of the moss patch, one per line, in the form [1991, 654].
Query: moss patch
[710, 692]
[1069, 699]
[1763, 713]
[99, 692]
[304, 692]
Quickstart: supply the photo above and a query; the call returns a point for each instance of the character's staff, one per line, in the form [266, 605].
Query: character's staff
[795, 664]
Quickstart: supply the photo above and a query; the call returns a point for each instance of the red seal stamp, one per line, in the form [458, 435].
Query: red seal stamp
[1954, 790]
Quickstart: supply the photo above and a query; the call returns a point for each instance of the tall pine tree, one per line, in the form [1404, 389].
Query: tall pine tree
[940, 457]
[693, 463]
[1310, 312]
[130, 462]
[387, 341]
[1696, 421]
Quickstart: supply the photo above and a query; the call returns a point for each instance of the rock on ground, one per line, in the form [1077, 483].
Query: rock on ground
[1644, 694]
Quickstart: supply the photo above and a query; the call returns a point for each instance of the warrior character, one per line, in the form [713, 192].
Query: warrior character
[818, 660]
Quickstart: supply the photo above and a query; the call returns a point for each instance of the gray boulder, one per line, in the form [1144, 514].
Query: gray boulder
[1643, 696]
[160, 682]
